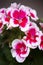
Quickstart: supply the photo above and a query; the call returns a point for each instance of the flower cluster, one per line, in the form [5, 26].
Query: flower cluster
[17, 15]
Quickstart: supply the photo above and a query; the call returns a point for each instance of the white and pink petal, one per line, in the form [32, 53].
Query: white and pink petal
[20, 59]
[33, 14]
[24, 25]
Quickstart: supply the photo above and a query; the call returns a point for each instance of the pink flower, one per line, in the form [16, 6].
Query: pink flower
[32, 36]
[12, 7]
[19, 50]
[19, 18]
[41, 43]
[4, 16]
[33, 14]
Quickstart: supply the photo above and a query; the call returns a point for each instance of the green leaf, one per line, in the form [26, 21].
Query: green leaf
[7, 53]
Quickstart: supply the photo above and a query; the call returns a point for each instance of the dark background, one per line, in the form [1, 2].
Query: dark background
[35, 4]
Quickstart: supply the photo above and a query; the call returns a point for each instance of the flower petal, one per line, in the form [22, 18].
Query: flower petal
[20, 59]
[27, 53]
[24, 26]
[33, 14]
[14, 23]
[13, 52]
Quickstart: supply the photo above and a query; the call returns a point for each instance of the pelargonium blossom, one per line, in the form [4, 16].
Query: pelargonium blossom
[30, 12]
[4, 17]
[19, 18]
[7, 12]
[19, 50]
[33, 36]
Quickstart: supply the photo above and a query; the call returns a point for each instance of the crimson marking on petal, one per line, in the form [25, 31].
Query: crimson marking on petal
[7, 19]
[23, 23]
[20, 48]
[9, 14]
[16, 14]
[32, 15]
[2, 11]
[1, 24]
[41, 38]
[32, 31]
[21, 14]
[16, 21]
[41, 44]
